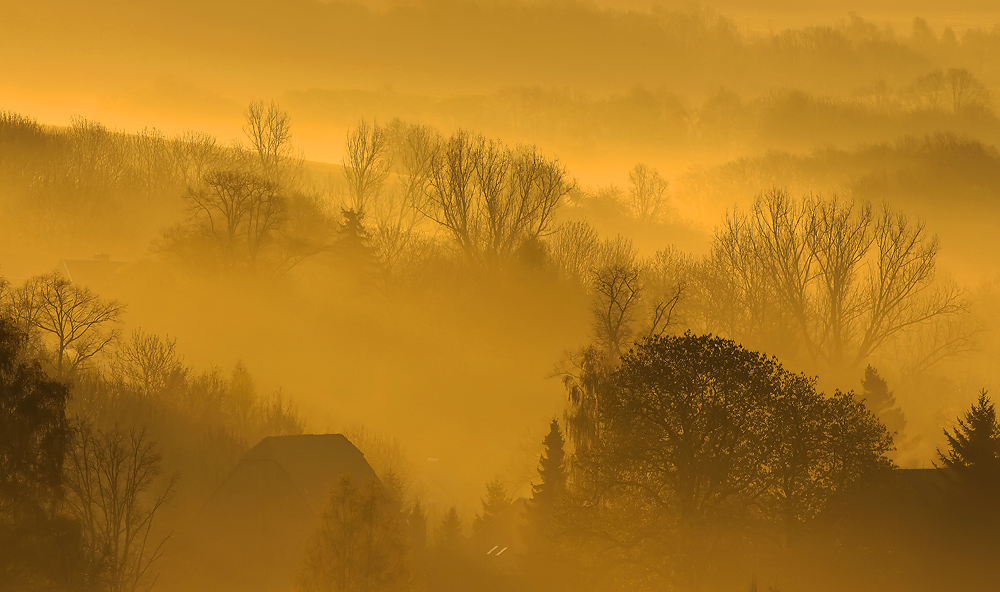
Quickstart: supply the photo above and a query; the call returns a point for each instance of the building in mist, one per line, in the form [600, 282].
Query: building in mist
[250, 534]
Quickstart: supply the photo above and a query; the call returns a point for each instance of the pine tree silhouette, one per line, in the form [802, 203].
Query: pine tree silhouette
[450, 532]
[547, 494]
[974, 446]
[353, 244]
[416, 526]
[495, 502]
[881, 401]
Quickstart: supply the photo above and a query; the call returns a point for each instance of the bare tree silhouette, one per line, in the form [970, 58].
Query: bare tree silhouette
[78, 323]
[490, 198]
[109, 475]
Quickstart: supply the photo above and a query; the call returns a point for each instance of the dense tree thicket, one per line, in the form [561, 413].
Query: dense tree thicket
[39, 548]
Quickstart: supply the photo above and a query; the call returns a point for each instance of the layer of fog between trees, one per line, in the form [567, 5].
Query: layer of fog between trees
[830, 260]
[827, 283]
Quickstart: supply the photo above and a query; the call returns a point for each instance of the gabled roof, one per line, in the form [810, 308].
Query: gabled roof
[312, 463]
[250, 534]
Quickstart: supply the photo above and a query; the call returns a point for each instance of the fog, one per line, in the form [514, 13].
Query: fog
[600, 295]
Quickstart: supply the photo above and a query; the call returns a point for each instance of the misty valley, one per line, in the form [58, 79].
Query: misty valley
[499, 295]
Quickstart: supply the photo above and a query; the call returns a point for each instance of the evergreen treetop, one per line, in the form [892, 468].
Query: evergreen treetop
[551, 469]
[974, 445]
[496, 501]
[882, 402]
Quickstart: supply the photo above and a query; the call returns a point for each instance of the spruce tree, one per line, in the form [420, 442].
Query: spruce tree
[549, 492]
[416, 526]
[881, 401]
[495, 502]
[545, 561]
[974, 445]
[353, 245]
[450, 532]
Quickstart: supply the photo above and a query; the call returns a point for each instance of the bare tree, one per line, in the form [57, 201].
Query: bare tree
[957, 86]
[824, 277]
[366, 164]
[194, 155]
[899, 293]
[269, 130]
[145, 362]
[358, 545]
[307, 229]
[617, 291]
[395, 217]
[647, 194]
[965, 89]
[109, 477]
[387, 458]
[665, 282]
[412, 150]
[490, 198]
[79, 323]
[240, 211]
[930, 89]
[573, 249]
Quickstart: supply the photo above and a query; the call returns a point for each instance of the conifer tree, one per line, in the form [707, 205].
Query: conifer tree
[881, 401]
[416, 526]
[353, 244]
[450, 532]
[547, 494]
[974, 445]
[495, 502]
[37, 547]
[545, 555]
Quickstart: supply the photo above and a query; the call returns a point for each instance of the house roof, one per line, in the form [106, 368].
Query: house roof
[250, 535]
[303, 468]
[313, 463]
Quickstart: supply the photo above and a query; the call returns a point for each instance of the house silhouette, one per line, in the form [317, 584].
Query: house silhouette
[250, 535]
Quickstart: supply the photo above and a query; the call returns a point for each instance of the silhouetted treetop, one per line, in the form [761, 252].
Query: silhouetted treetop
[701, 425]
[974, 444]
[34, 431]
[823, 280]
[491, 198]
[552, 472]
[881, 401]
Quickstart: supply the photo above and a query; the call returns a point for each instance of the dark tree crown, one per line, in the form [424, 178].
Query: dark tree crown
[974, 444]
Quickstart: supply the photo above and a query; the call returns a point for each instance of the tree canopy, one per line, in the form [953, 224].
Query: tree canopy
[698, 427]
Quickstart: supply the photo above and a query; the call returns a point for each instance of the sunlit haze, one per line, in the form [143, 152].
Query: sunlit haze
[491, 295]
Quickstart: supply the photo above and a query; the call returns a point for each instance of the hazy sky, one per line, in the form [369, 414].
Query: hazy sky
[193, 65]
